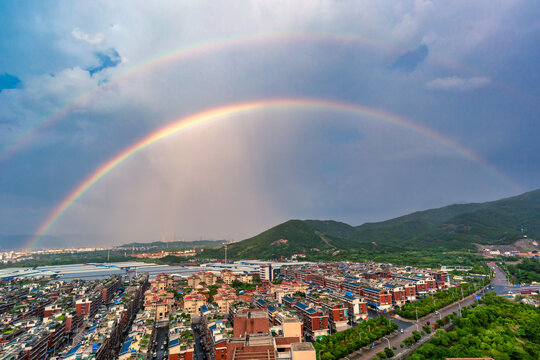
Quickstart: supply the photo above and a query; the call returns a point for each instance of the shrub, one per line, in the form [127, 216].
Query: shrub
[389, 353]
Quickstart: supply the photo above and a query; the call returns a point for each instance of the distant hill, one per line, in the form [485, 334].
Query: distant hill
[180, 245]
[293, 237]
[448, 228]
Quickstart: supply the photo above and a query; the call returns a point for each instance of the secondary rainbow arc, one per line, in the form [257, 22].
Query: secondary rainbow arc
[222, 112]
[184, 53]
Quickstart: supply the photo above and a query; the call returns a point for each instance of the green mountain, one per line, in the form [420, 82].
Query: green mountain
[293, 237]
[448, 228]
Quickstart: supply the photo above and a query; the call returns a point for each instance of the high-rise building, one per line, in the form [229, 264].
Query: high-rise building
[266, 272]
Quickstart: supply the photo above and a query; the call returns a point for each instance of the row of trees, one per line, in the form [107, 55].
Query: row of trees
[439, 300]
[340, 344]
[398, 256]
[527, 271]
[499, 329]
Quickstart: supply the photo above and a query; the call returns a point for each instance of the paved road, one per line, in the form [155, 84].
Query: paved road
[402, 324]
[161, 338]
[199, 353]
[502, 286]
[499, 284]
[397, 340]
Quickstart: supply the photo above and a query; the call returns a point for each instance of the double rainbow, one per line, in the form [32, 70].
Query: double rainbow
[234, 109]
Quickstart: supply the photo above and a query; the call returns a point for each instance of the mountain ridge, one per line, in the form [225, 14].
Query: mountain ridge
[450, 227]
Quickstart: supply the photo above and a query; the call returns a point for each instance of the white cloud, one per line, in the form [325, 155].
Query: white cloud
[455, 83]
[94, 39]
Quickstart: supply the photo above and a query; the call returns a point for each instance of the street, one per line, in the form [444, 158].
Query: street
[402, 324]
[397, 340]
[161, 342]
[199, 352]
[502, 286]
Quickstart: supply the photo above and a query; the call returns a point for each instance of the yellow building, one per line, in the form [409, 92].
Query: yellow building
[224, 298]
[202, 277]
[245, 278]
[162, 282]
[160, 302]
[303, 351]
[193, 302]
[291, 327]
[228, 276]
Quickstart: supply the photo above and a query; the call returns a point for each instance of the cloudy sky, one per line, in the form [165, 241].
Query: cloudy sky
[81, 81]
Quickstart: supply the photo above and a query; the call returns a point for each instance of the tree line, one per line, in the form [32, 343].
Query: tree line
[341, 344]
[440, 299]
[498, 328]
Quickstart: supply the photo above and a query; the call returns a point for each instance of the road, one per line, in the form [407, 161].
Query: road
[499, 285]
[397, 340]
[162, 336]
[402, 324]
[502, 286]
[199, 353]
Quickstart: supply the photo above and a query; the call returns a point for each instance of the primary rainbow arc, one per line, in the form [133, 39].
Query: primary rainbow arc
[220, 113]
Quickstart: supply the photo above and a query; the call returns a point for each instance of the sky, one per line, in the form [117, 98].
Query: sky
[82, 81]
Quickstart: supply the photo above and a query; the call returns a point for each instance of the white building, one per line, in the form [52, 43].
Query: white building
[266, 272]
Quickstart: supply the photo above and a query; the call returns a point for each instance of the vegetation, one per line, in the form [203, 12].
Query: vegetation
[340, 344]
[242, 286]
[439, 300]
[213, 291]
[526, 271]
[285, 240]
[412, 339]
[448, 229]
[445, 236]
[500, 329]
